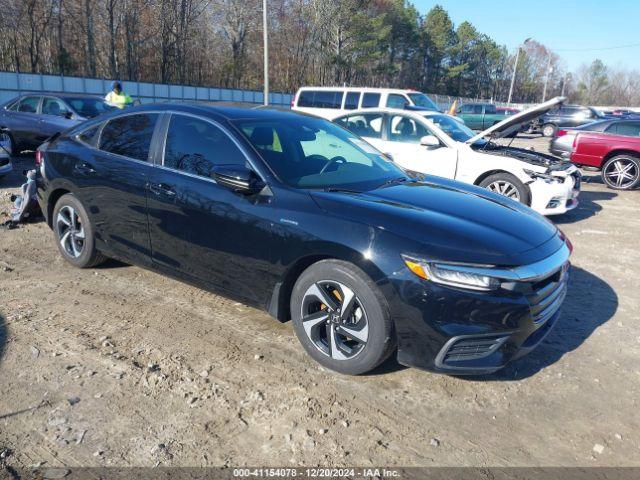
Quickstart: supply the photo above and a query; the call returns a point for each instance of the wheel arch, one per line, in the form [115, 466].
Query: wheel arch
[279, 307]
[53, 198]
[620, 151]
[488, 173]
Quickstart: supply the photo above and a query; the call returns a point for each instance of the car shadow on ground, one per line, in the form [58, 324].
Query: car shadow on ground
[588, 207]
[3, 336]
[590, 303]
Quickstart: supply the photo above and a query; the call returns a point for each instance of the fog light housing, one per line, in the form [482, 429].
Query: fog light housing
[554, 202]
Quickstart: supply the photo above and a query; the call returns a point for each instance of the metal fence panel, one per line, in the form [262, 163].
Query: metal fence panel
[51, 83]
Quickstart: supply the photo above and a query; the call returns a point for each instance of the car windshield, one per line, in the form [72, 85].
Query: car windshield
[455, 129]
[314, 153]
[421, 100]
[89, 107]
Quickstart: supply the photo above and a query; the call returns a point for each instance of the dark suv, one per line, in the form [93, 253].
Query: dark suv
[566, 116]
[298, 216]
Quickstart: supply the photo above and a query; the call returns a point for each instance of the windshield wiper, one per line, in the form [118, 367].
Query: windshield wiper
[340, 189]
[393, 181]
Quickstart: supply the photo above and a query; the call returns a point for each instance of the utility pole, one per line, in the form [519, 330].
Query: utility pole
[546, 78]
[266, 52]
[515, 68]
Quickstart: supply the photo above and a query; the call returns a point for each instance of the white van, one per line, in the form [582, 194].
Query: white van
[329, 102]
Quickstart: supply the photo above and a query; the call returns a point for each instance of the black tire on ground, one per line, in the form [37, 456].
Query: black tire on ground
[88, 256]
[621, 172]
[548, 130]
[509, 185]
[369, 302]
[12, 145]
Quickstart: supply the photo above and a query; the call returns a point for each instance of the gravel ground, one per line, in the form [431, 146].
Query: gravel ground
[121, 366]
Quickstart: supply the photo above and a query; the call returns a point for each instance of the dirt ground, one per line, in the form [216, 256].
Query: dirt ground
[124, 367]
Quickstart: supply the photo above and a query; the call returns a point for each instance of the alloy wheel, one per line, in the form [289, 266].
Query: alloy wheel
[621, 173]
[505, 188]
[334, 319]
[70, 231]
[5, 141]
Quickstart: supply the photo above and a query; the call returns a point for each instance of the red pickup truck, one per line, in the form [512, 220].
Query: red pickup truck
[617, 156]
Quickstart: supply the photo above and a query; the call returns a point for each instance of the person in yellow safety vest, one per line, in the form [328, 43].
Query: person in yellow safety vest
[117, 97]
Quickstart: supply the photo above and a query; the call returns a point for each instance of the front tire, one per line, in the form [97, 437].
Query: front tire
[548, 130]
[74, 233]
[621, 172]
[341, 318]
[507, 185]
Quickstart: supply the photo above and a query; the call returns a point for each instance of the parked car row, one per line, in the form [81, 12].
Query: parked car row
[435, 144]
[355, 229]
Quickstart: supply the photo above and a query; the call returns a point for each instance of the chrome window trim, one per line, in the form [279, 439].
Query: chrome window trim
[525, 273]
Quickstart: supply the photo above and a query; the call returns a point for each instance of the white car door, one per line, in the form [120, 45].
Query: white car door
[403, 144]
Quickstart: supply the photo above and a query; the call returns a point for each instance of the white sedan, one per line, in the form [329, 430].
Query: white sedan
[437, 144]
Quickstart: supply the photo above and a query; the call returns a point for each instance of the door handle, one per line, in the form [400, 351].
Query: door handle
[162, 189]
[84, 168]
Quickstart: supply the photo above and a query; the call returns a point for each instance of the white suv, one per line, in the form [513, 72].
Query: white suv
[328, 102]
[436, 144]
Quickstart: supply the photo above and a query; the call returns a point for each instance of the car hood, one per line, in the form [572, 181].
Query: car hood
[548, 162]
[512, 123]
[453, 221]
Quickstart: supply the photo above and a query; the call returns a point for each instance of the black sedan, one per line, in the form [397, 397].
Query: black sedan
[566, 116]
[32, 118]
[295, 215]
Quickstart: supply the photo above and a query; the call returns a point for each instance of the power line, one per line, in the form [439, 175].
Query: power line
[596, 49]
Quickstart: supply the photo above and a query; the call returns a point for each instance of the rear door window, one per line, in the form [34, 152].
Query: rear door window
[29, 105]
[352, 100]
[371, 100]
[364, 125]
[129, 135]
[320, 99]
[628, 129]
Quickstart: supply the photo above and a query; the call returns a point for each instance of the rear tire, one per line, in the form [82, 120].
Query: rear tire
[621, 172]
[548, 130]
[74, 233]
[507, 185]
[341, 318]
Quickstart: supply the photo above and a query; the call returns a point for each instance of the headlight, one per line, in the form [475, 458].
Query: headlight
[544, 176]
[453, 275]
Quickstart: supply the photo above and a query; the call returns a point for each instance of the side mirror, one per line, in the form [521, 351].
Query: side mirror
[238, 178]
[68, 115]
[430, 141]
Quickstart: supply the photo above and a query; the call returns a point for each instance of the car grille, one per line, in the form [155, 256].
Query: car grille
[473, 348]
[548, 296]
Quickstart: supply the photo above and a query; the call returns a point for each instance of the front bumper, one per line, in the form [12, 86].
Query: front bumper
[558, 197]
[463, 332]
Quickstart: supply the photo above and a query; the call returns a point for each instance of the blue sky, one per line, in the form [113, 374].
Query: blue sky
[562, 25]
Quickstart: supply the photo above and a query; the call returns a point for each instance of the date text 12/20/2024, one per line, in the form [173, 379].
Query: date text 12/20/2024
[316, 472]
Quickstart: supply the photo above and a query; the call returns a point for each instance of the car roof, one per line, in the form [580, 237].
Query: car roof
[417, 113]
[362, 89]
[218, 109]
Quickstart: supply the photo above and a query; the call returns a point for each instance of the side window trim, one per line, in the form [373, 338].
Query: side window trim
[163, 143]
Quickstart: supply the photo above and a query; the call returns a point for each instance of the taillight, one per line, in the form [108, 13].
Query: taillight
[561, 133]
[39, 158]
